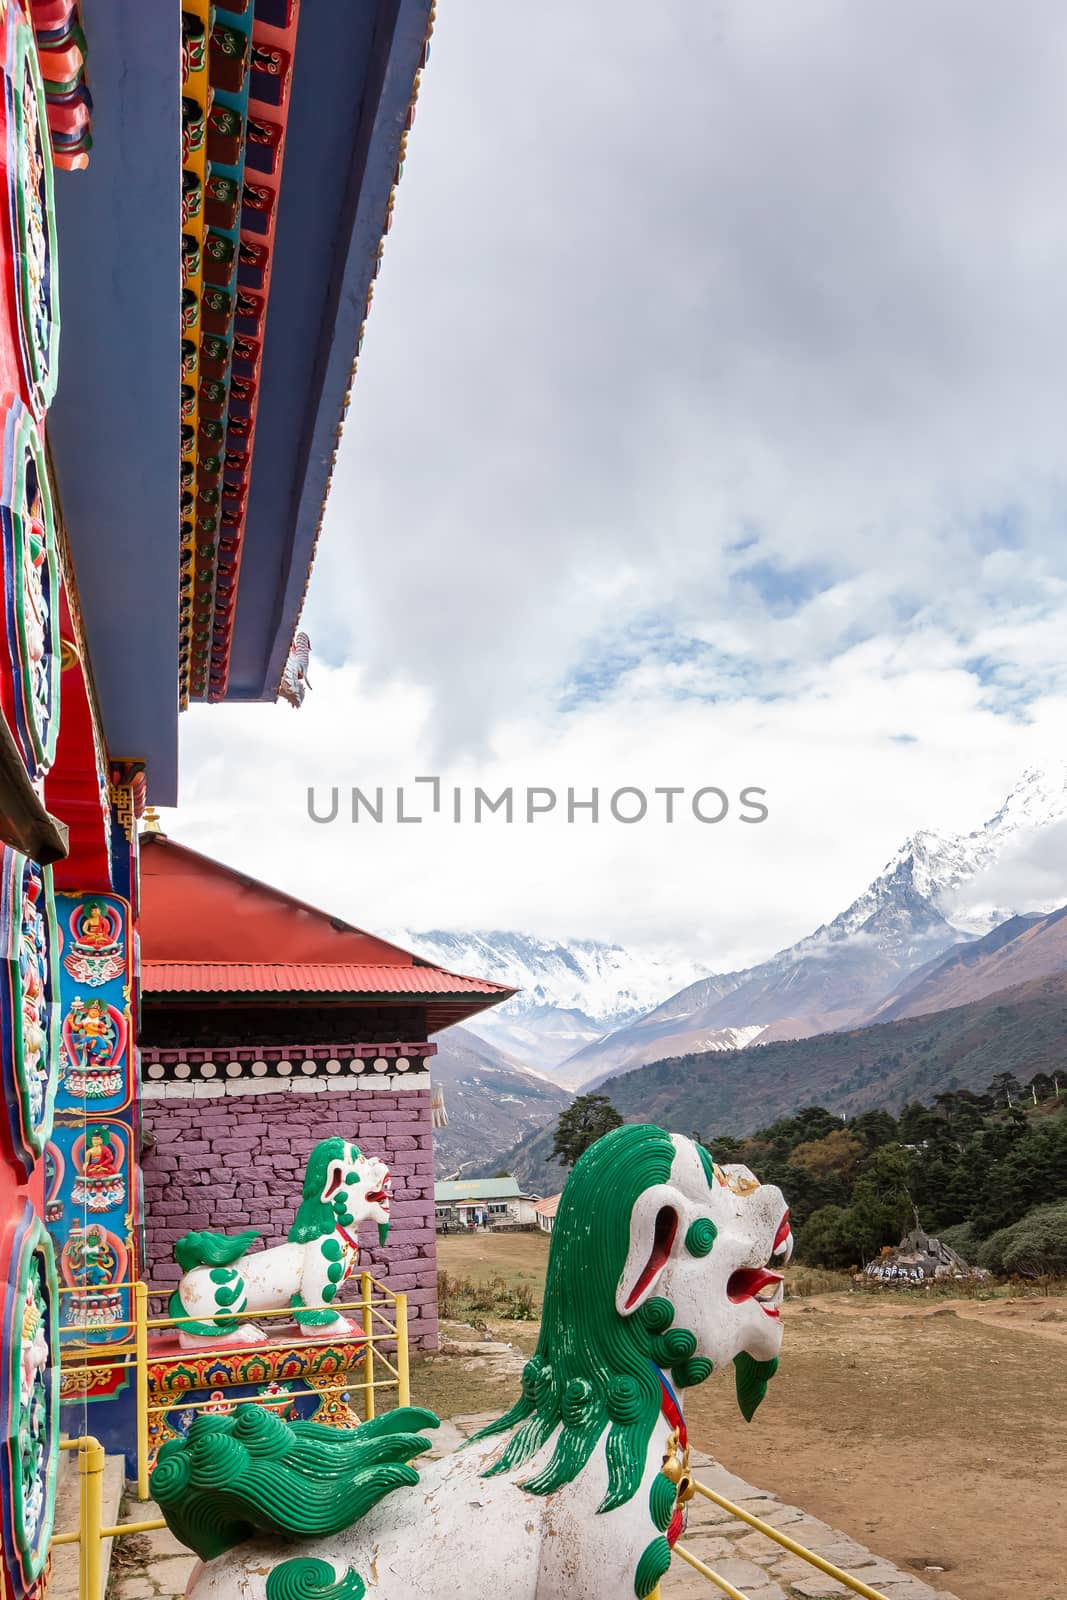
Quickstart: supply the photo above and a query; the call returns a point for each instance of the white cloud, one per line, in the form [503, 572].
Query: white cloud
[709, 429]
[841, 790]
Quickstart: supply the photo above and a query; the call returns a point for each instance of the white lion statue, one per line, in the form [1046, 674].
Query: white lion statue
[662, 1268]
[223, 1279]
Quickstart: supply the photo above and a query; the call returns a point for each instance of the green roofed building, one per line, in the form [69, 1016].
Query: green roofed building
[483, 1203]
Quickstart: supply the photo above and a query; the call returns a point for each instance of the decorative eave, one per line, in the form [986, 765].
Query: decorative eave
[355, 77]
[242, 1068]
[62, 50]
[236, 73]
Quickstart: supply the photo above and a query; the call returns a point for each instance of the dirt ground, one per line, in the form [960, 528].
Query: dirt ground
[519, 1258]
[934, 1431]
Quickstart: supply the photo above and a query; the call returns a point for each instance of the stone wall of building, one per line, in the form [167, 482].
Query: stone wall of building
[230, 1156]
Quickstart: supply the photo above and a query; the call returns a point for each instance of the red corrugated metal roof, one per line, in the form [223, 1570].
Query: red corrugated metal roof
[320, 977]
[547, 1208]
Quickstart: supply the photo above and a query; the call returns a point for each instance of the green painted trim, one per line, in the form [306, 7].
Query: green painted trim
[306, 1578]
[653, 1565]
[37, 1132]
[43, 373]
[35, 1247]
[662, 1499]
[701, 1236]
[707, 1161]
[310, 1319]
[27, 448]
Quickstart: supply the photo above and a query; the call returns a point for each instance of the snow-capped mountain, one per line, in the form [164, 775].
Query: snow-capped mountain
[837, 976]
[573, 991]
[963, 876]
[587, 1009]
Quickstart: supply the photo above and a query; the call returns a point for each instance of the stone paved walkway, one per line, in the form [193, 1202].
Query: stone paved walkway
[156, 1567]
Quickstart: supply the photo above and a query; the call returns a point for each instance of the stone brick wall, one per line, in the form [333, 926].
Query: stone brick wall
[226, 1159]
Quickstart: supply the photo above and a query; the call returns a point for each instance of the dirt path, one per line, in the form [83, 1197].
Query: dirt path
[937, 1435]
[932, 1430]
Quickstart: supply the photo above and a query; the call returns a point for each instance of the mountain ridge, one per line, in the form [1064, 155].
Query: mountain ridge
[837, 976]
[885, 1065]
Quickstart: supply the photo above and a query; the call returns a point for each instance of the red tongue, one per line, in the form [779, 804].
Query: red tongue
[748, 1281]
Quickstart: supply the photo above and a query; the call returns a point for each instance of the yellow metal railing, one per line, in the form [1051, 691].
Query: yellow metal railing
[856, 1585]
[132, 1353]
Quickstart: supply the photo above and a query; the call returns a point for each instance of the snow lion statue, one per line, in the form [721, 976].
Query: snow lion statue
[223, 1278]
[662, 1268]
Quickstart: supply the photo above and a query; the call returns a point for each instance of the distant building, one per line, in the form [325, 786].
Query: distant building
[545, 1213]
[483, 1203]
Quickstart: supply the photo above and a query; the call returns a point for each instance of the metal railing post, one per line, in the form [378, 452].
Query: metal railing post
[140, 1314]
[91, 1504]
[368, 1347]
[403, 1375]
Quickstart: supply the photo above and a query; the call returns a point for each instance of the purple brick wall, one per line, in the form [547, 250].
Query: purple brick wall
[237, 1161]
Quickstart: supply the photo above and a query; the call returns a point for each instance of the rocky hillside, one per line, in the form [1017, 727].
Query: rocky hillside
[1021, 949]
[491, 1100]
[1019, 1030]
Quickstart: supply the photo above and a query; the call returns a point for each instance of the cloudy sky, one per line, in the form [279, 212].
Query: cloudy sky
[710, 430]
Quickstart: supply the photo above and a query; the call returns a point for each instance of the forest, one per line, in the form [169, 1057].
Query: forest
[984, 1172]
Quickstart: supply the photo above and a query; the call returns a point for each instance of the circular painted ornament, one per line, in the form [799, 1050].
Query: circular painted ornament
[29, 1009]
[29, 1409]
[31, 588]
[31, 211]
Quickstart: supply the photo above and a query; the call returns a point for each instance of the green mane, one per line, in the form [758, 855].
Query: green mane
[234, 1476]
[594, 1369]
[317, 1217]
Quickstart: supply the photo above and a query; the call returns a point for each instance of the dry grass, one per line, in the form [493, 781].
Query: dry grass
[466, 1300]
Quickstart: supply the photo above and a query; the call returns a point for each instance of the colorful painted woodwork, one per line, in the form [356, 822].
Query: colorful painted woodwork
[29, 1001]
[237, 75]
[228, 224]
[30, 665]
[660, 1270]
[90, 1201]
[62, 50]
[222, 1278]
[29, 1401]
[298, 1380]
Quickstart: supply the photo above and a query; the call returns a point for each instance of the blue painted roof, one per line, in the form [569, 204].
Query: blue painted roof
[114, 424]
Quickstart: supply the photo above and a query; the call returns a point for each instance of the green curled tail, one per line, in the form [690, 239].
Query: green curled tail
[212, 1249]
[234, 1476]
